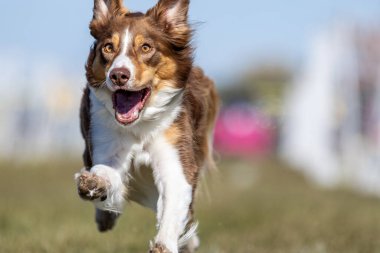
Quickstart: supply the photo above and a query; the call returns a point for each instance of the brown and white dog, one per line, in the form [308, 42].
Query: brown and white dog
[147, 117]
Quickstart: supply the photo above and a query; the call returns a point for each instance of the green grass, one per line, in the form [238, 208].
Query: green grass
[246, 207]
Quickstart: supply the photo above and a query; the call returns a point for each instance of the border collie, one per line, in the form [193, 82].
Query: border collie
[147, 118]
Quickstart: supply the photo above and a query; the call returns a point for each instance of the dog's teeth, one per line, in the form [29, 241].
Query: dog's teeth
[135, 114]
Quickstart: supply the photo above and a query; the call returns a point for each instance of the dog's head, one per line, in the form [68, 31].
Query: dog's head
[139, 62]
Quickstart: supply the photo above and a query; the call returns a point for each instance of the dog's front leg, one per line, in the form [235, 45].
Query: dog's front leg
[175, 196]
[104, 186]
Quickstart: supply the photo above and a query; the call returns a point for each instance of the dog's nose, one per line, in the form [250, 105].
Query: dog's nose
[120, 76]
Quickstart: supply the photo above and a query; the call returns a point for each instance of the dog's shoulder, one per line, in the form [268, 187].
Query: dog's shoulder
[201, 98]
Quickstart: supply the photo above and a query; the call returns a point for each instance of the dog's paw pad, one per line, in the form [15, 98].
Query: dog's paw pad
[91, 186]
[158, 248]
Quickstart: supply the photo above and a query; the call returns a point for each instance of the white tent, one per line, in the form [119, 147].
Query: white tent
[326, 111]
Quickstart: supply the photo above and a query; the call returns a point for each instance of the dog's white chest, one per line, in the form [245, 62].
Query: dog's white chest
[120, 151]
[141, 157]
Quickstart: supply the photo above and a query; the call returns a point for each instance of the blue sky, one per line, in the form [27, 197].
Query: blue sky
[232, 35]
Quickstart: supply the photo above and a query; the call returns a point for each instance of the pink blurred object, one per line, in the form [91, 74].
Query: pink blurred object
[242, 130]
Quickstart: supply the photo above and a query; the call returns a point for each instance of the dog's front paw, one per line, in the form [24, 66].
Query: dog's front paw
[158, 248]
[91, 186]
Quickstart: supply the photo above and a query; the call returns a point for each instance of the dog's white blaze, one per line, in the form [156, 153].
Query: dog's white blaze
[122, 60]
[175, 193]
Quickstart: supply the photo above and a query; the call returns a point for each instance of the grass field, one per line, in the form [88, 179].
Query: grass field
[247, 207]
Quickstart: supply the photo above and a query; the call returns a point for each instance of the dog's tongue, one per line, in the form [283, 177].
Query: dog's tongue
[126, 104]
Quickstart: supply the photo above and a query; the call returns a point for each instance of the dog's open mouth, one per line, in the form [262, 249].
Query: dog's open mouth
[128, 104]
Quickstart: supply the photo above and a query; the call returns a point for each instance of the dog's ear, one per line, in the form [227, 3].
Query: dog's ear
[172, 17]
[103, 10]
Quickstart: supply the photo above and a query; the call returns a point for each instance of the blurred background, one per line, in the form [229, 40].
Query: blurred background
[298, 136]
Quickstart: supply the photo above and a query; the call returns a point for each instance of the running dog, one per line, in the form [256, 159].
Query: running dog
[147, 117]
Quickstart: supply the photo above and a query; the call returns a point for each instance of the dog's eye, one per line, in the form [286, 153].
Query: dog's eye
[108, 48]
[146, 48]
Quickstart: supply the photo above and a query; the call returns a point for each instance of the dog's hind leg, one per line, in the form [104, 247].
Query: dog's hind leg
[191, 245]
[106, 220]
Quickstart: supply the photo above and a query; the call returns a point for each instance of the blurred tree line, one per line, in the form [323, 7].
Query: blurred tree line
[264, 87]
